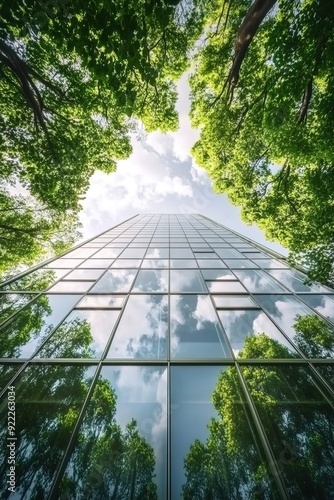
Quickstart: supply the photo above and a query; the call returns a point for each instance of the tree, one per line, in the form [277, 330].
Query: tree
[29, 231]
[71, 77]
[262, 94]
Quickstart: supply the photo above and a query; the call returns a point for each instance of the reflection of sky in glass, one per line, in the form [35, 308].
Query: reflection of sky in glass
[84, 274]
[183, 263]
[155, 263]
[181, 253]
[240, 263]
[228, 253]
[80, 253]
[61, 343]
[64, 263]
[132, 253]
[101, 301]
[107, 253]
[142, 395]
[258, 281]
[234, 302]
[269, 263]
[142, 330]
[225, 287]
[218, 274]
[115, 281]
[119, 263]
[192, 410]
[71, 286]
[210, 263]
[187, 281]
[323, 304]
[157, 253]
[151, 281]
[58, 307]
[195, 330]
[294, 281]
[239, 325]
[96, 264]
[37, 280]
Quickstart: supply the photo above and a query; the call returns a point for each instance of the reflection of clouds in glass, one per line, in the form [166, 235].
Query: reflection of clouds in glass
[186, 281]
[119, 280]
[151, 281]
[204, 311]
[142, 329]
[142, 395]
[326, 308]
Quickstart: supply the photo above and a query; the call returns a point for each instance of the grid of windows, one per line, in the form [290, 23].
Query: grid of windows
[168, 357]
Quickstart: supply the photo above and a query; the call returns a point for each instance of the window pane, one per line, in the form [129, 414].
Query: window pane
[294, 281]
[151, 281]
[101, 302]
[48, 402]
[80, 253]
[133, 253]
[130, 405]
[96, 264]
[210, 264]
[205, 255]
[234, 302]
[269, 263]
[128, 263]
[253, 335]
[142, 330]
[157, 253]
[187, 281]
[107, 253]
[240, 263]
[155, 263]
[64, 263]
[38, 280]
[116, 280]
[218, 274]
[258, 281]
[299, 423]
[195, 329]
[84, 274]
[212, 444]
[313, 335]
[11, 303]
[323, 304]
[225, 287]
[181, 253]
[228, 253]
[83, 334]
[183, 263]
[71, 286]
[30, 327]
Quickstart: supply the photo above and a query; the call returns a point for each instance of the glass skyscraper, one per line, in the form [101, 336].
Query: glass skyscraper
[168, 357]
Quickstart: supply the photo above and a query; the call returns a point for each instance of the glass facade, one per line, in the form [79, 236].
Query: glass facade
[167, 358]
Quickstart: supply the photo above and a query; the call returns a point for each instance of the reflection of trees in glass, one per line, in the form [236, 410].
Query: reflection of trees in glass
[229, 464]
[35, 281]
[70, 340]
[108, 462]
[48, 402]
[314, 336]
[29, 321]
[297, 419]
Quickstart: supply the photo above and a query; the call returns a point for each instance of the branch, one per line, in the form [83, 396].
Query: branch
[306, 101]
[248, 28]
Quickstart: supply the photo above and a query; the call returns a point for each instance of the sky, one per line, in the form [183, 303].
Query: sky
[161, 177]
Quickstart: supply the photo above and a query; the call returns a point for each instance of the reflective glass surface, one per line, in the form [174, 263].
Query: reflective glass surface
[96, 263]
[48, 401]
[269, 263]
[155, 263]
[84, 274]
[142, 330]
[299, 423]
[214, 454]
[10, 303]
[81, 253]
[132, 253]
[128, 263]
[181, 253]
[294, 281]
[258, 281]
[218, 274]
[234, 302]
[107, 253]
[151, 281]
[323, 304]
[127, 457]
[313, 335]
[101, 301]
[157, 253]
[31, 326]
[37, 280]
[240, 263]
[195, 330]
[225, 287]
[253, 335]
[71, 286]
[183, 263]
[210, 264]
[6, 373]
[64, 263]
[228, 253]
[83, 334]
[186, 281]
[116, 280]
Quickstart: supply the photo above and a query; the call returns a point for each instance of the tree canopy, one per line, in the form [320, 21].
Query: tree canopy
[262, 94]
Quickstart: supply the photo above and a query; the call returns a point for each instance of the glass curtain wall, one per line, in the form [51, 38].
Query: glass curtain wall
[167, 358]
